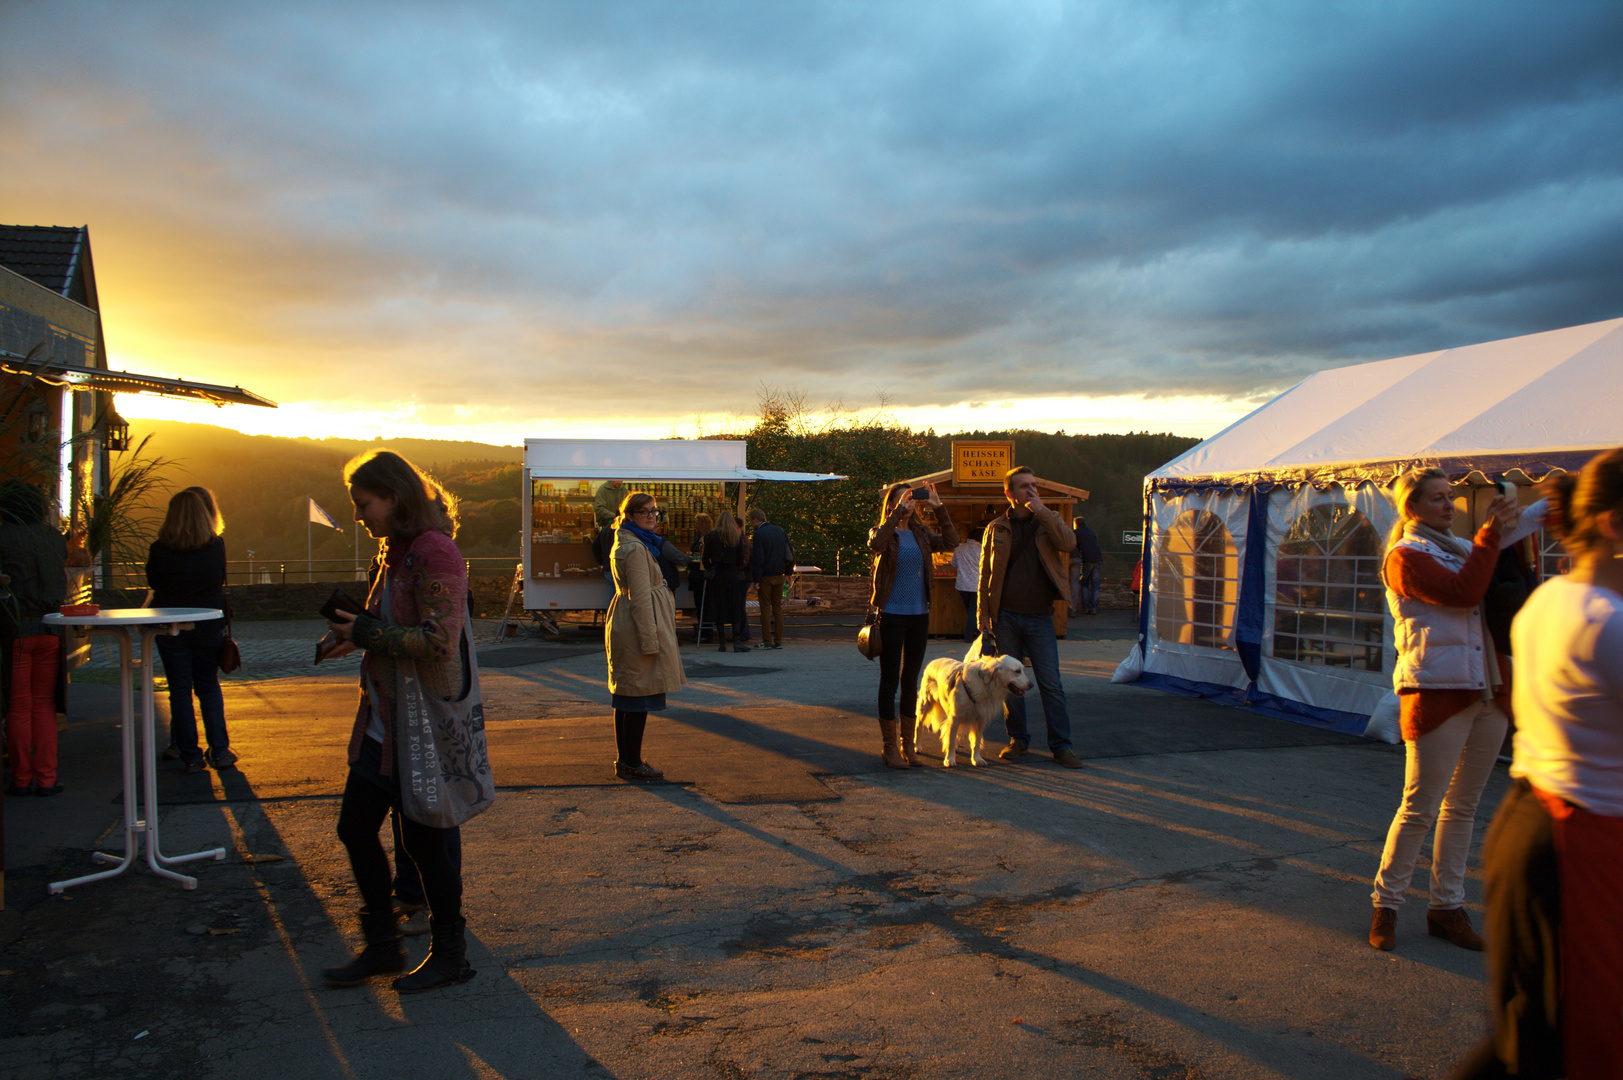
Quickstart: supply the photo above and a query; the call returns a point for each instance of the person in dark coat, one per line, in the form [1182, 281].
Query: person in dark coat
[726, 553]
[1087, 563]
[186, 568]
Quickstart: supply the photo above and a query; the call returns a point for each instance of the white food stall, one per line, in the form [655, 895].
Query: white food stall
[562, 478]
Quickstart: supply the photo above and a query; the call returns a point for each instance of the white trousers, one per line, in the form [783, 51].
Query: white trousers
[1447, 769]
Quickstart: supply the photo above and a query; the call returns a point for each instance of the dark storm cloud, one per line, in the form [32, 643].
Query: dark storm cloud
[1077, 198]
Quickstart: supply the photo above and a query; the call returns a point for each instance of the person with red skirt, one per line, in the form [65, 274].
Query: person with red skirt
[1553, 861]
[33, 556]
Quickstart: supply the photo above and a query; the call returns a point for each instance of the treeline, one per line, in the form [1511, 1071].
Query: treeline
[263, 481]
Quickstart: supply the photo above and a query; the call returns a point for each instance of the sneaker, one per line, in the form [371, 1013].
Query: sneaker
[1012, 752]
[1067, 757]
[171, 752]
[19, 789]
[221, 760]
[741, 648]
[45, 791]
[195, 767]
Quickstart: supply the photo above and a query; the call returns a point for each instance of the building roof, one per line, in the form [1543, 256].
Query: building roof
[57, 373]
[55, 256]
[1536, 403]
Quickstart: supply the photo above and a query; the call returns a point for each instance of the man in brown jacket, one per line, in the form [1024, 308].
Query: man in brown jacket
[1023, 571]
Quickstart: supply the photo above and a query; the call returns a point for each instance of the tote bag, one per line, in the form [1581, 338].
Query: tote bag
[440, 745]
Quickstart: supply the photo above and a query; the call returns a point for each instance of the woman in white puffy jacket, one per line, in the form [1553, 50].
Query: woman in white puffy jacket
[1453, 693]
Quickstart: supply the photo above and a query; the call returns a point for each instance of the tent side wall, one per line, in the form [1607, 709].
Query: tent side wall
[1269, 598]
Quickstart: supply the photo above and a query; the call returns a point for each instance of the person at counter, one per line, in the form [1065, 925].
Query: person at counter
[606, 504]
[966, 569]
[902, 547]
[1023, 571]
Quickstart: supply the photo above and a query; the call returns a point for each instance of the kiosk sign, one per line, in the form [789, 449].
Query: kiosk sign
[981, 462]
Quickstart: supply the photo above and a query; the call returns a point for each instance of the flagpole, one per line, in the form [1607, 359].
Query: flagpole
[309, 550]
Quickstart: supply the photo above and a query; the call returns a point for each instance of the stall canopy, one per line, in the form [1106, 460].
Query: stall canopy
[1263, 544]
[57, 373]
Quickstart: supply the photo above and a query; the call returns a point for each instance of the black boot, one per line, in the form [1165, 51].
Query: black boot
[446, 963]
[382, 955]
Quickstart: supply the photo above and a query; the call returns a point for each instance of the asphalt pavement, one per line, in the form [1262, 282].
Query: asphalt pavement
[1192, 903]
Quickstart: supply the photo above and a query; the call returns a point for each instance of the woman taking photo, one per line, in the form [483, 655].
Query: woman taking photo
[413, 625]
[1454, 698]
[902, 547]
[186, 568]
[725, 554]
[644, 662]
[1553, 862]
[32, 557]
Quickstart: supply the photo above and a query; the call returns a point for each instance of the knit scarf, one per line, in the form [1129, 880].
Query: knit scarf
[1462, 547]
[652, 540]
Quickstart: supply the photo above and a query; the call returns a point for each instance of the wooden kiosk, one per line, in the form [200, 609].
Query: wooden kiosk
[972, 494]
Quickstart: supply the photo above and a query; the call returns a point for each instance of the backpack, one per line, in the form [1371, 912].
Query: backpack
[788, 556]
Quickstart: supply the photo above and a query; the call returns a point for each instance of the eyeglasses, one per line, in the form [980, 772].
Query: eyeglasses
[647, 510]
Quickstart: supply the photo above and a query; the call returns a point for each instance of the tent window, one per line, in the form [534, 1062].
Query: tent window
[1329, 604]
[1197, 582]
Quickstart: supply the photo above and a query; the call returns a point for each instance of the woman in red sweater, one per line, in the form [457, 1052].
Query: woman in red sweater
[1454, 693]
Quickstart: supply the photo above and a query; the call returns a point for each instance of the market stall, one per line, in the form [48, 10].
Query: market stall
[568, 480]
[971, 493]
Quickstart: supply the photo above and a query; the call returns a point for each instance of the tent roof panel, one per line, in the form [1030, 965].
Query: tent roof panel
[1496, 398]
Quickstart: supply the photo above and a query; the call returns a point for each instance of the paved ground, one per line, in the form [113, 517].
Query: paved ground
[1191, 904]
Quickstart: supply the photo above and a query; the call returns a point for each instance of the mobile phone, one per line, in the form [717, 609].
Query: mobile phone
[339, 601]
[1507, 488]
[921, 495]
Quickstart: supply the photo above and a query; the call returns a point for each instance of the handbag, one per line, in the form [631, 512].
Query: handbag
[230, 658]
[445, 778]
[868, 637]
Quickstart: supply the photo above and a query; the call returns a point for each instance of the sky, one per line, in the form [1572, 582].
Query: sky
[490, 221]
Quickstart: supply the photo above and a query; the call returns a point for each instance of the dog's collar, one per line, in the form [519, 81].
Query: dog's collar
[958, 677]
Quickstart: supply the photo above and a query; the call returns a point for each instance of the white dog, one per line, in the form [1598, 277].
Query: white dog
[963, 698]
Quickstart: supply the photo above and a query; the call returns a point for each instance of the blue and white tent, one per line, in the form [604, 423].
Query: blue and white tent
[1263, 544]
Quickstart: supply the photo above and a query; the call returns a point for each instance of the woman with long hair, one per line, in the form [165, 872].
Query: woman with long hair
[1453, 693]
[645, 663]
[32, 557]
[186, 568]
[1553, 861]
[903, 567]
[415, 614]
[725, 554]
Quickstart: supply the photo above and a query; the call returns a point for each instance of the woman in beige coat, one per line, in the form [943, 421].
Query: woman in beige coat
[644, 662]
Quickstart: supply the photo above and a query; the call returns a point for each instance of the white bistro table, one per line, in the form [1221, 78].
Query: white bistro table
[150, 622]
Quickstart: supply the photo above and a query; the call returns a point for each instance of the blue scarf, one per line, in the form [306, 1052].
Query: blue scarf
[654, 542]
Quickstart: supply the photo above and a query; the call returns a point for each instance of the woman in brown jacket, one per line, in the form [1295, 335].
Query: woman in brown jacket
[902, 547]
[644, 661]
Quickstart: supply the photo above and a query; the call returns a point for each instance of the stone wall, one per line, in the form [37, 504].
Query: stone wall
[850, 594]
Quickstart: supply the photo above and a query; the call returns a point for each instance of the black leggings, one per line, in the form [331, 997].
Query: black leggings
[628, 729]
[902, 639]
[360, 817]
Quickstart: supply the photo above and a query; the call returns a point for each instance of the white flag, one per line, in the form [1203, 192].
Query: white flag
[321, 517]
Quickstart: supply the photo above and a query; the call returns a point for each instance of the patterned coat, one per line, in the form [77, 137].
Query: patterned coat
[428, 603]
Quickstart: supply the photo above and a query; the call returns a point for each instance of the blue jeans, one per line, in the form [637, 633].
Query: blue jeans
[1089, 598]
[191, 664]
[1032, 636]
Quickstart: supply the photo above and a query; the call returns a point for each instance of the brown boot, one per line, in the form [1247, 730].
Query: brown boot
[909, 726]
[1383, 929]
[892, 753]
[1454, 925]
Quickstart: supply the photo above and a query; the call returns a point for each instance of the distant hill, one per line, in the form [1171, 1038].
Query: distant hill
[262, 482]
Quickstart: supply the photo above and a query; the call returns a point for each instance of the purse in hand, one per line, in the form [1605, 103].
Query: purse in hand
[230, 656]
[868, 637]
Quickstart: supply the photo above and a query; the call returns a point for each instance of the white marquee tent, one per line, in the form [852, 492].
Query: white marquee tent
[1262, 545]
